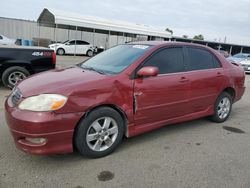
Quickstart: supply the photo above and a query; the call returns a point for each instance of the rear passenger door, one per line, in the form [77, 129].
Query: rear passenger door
[206, 77]
[82, 47]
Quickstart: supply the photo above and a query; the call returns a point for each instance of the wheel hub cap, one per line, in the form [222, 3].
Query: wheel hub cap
[224, 108]
[102, 133]
[14, 77]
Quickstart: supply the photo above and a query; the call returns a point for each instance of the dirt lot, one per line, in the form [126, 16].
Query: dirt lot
[192, 154]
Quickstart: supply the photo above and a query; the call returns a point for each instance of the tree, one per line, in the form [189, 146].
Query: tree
[169, 30]
[198, 37]
[184, 36]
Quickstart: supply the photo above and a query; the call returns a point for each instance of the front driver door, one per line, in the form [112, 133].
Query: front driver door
[165, 96]
[70, 48]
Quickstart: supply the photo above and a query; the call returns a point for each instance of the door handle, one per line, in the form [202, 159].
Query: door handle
[138, 93]
[183, 80]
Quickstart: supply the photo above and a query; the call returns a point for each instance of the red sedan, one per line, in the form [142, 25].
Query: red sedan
[127, 90]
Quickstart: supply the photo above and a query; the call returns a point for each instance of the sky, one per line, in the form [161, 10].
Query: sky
[214, 19]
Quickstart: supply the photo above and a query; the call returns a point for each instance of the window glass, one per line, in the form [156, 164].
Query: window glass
[72, 42]
[84, 42]
[1, 37]
[116, 59]
[199, 59]
[216, 63]
[80, 42]
[169, 60]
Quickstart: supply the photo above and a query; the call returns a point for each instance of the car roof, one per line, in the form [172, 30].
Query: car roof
[166, 43]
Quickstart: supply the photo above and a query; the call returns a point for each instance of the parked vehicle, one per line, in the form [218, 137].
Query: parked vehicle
[6, 41]
[73, 47]
[224, 53]
[127, 90]
[246, 65]
[17, 63]
[237, 58]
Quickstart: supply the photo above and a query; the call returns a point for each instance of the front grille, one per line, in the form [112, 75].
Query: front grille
[16, 96]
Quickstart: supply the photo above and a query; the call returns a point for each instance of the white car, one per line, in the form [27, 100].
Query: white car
[73, 47]
[6, 41]
[246, 65]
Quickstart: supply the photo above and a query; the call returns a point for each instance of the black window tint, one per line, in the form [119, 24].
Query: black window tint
[72, 42]
[84, 42]
[1, 37]
[199, 59]
[169, 60]
[80, 42]
[216, 63]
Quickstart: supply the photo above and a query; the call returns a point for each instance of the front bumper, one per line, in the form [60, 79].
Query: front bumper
[56, 129]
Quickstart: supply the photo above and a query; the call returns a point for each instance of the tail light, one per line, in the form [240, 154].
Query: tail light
[54, 58]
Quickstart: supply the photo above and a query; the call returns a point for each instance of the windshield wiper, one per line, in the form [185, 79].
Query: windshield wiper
[93, 69]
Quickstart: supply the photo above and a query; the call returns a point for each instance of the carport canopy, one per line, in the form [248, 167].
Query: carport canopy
[52, 17]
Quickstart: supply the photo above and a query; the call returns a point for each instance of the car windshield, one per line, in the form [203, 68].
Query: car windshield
[65, 41]
[116, 59]
[241, 55]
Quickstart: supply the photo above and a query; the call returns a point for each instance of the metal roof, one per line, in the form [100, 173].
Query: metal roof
[52, 16]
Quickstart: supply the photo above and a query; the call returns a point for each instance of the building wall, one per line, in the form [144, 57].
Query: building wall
[22, 29]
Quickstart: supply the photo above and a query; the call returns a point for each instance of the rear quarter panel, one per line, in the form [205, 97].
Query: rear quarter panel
[236, 78]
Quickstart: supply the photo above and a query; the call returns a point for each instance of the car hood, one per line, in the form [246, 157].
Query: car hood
[59, 81]
[56, 44]
[246, 62]
[235, 59]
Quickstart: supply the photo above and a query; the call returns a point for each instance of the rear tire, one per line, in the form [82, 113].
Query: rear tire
[90, 53]
[222, 108]
[99, 134]
[60, 51]
[11, 76]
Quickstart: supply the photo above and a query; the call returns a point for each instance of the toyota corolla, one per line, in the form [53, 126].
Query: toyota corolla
[127, 90]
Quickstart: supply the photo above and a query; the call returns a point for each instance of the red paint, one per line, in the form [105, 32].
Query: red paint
[161, 99]
[148, 71]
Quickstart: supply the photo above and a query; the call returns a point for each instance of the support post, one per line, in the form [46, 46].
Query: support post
[241, 50]
[108, 45]
[93, 41]
[39, 34]
[55, 37]
[75, 41]
[231, 49]
[117, 40]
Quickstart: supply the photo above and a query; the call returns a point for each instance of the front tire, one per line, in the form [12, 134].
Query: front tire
[11, 76]
[222, 108]
[60, 51]
[99, 134]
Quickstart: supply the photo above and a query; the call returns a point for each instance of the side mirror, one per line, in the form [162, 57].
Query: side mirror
[148, 71]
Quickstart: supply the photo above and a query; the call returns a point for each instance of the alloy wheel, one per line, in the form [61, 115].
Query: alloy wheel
[223, 108]
[15, 77]
[102, 133]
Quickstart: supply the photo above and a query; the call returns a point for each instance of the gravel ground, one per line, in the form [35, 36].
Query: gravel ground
[192, 154]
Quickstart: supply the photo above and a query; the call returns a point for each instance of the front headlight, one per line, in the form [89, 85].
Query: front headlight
[43, 102]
